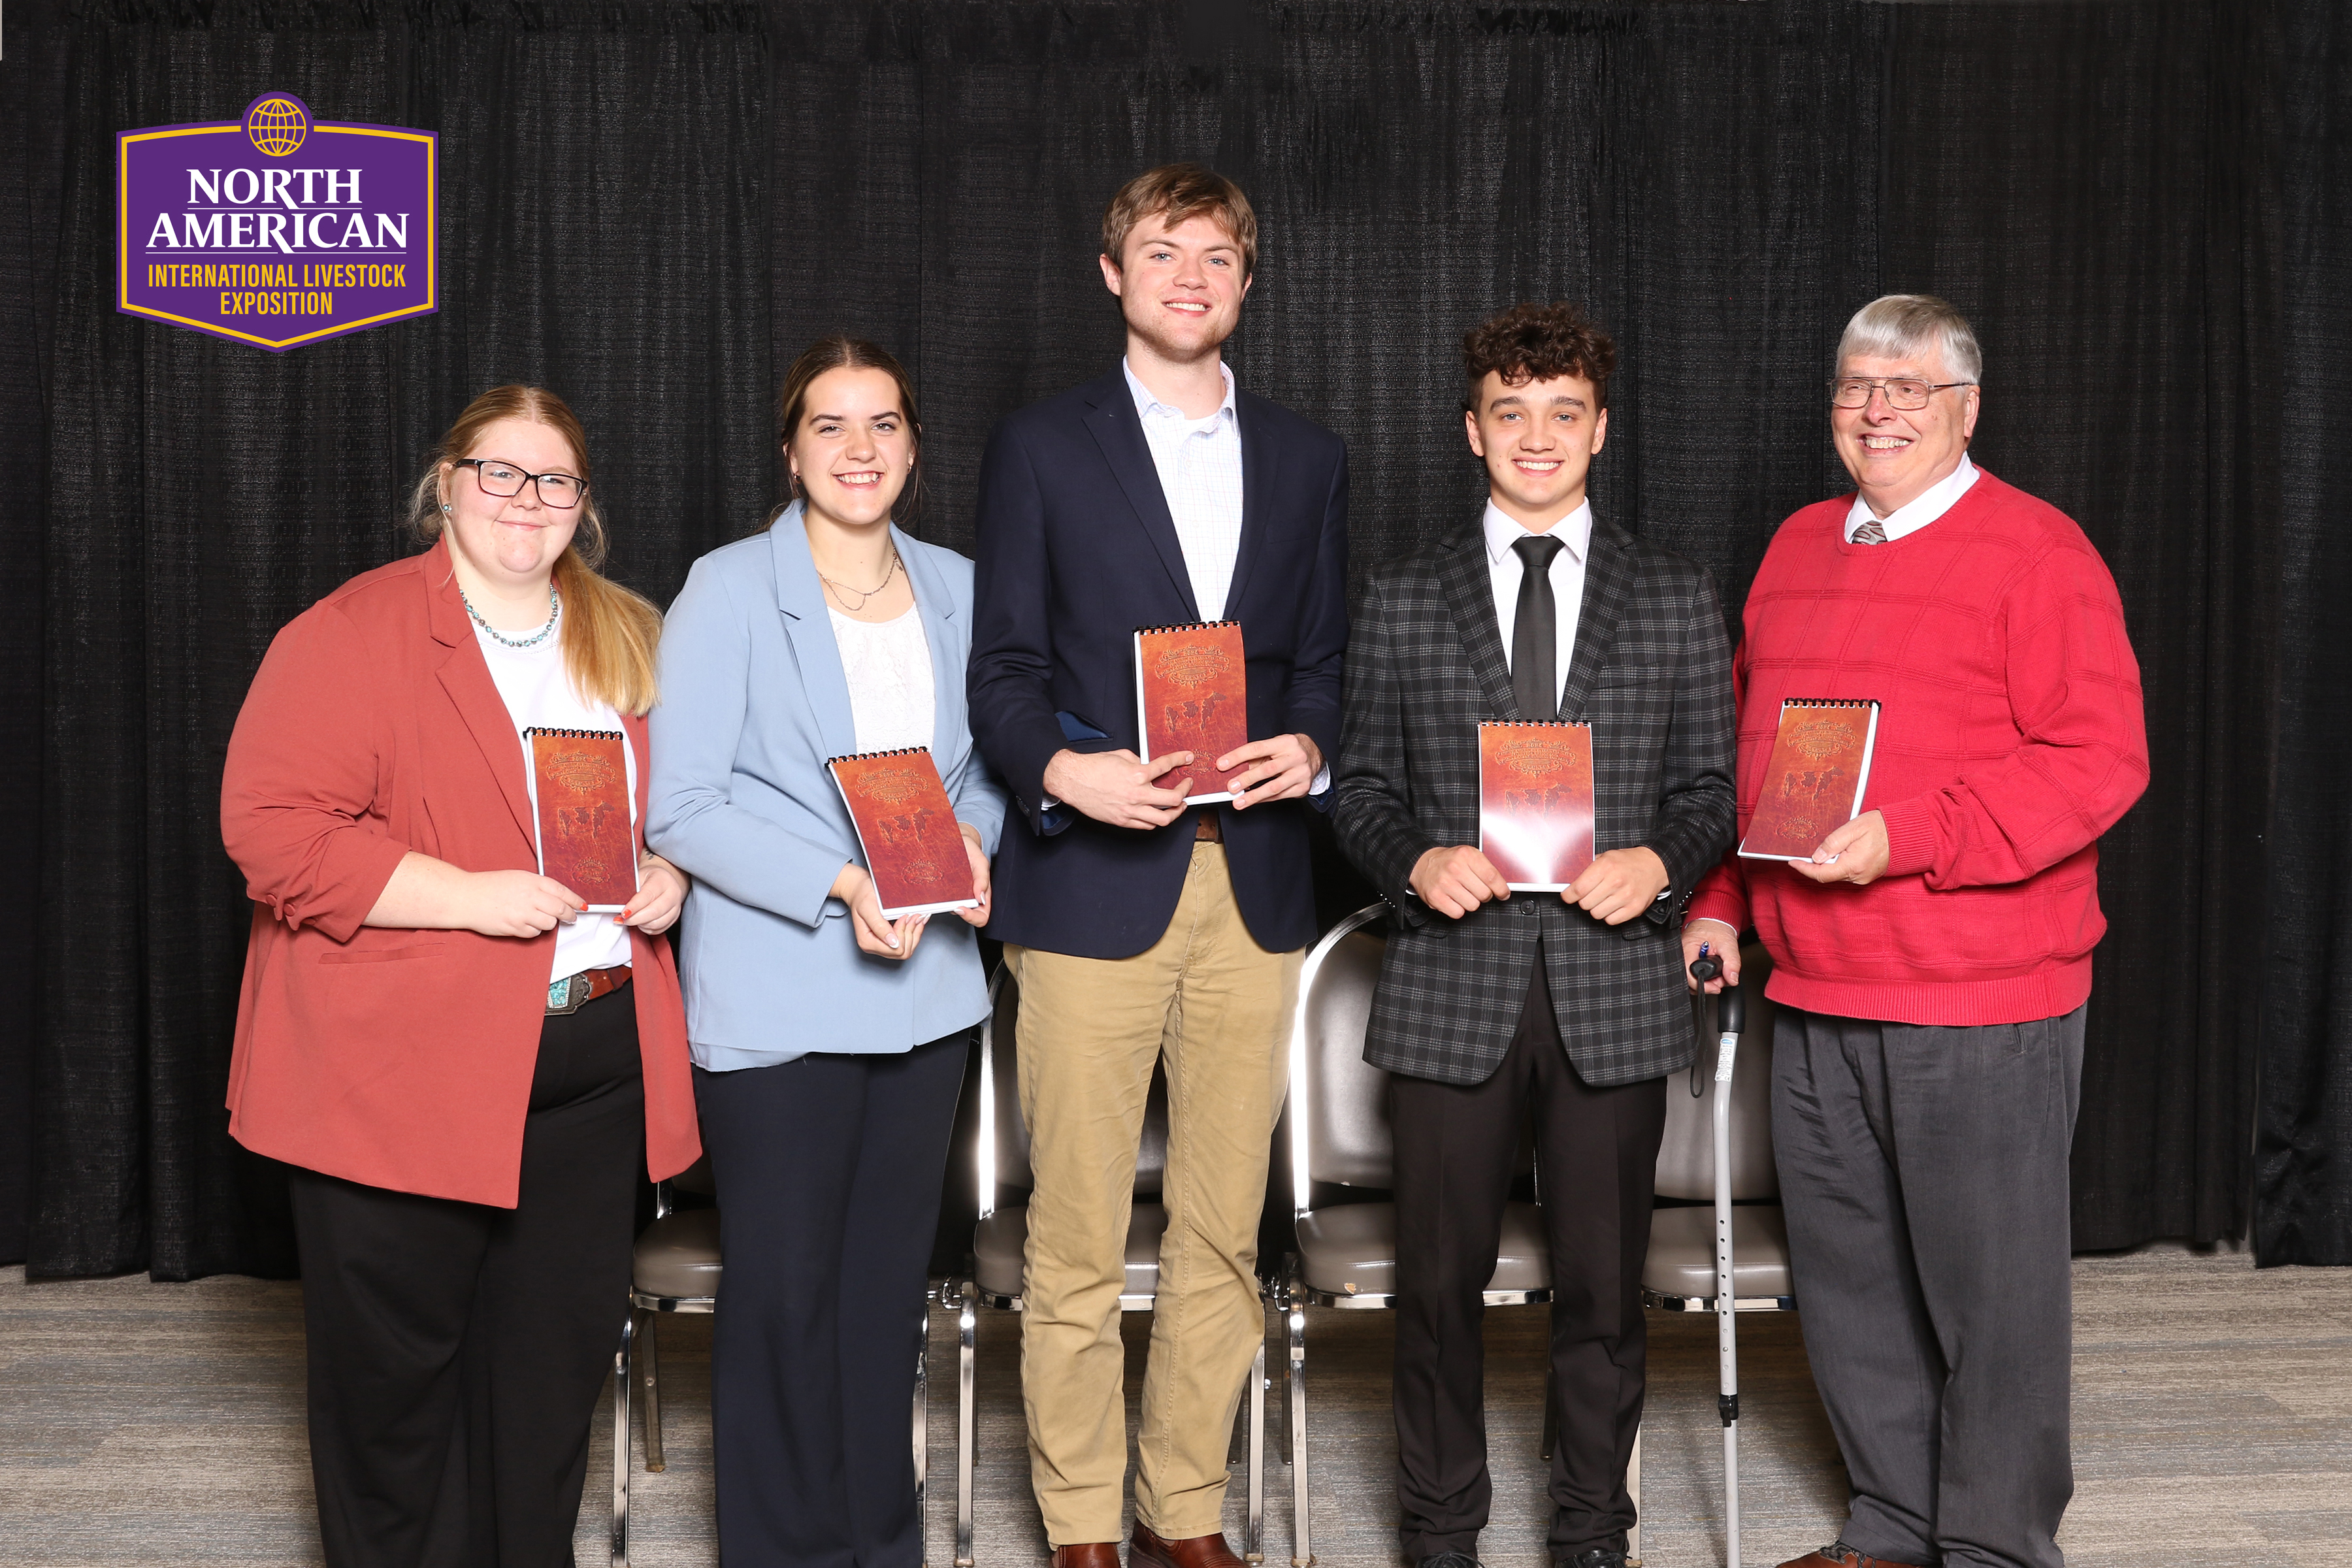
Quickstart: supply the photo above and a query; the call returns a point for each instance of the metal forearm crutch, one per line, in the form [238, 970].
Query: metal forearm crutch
[1730, 1014]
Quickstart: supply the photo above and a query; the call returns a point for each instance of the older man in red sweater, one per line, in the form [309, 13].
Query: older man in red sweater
[1933, 957]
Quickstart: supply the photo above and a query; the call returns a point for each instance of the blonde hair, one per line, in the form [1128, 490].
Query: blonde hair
[1895, 325]
[1174, 192]
[609, 632]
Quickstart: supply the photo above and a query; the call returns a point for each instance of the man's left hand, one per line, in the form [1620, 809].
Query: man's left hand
[1285, 767]
[1619, 885]
[1855, 853]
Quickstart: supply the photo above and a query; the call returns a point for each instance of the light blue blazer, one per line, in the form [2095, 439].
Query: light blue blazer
[753, 701]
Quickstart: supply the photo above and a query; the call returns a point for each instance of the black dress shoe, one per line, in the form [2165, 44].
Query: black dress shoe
[1593, 1557]
[1449, 1559]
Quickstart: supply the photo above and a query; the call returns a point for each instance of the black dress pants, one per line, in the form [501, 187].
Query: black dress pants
[458, 1350]
[828, 1171]
[1597, 1157]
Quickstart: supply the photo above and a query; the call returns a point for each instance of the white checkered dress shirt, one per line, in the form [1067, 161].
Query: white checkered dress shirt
[1200, 464]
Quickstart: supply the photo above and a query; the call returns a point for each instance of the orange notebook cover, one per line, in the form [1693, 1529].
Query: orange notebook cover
[1819, 766]
[907, 828]
[1191, 695]
[579, 789]
[1534, 803]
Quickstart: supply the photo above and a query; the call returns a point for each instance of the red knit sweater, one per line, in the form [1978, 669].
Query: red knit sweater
[2009, 737]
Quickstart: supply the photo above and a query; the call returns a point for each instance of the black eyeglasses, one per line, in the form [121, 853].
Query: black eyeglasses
[503, 479]
[1902, 392]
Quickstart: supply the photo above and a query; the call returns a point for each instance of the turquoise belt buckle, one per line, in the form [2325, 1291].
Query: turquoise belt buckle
[559, 994]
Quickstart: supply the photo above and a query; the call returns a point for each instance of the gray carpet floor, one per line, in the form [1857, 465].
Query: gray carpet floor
[146, 1424]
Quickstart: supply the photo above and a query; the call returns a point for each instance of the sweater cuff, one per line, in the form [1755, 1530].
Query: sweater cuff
[1910, 836]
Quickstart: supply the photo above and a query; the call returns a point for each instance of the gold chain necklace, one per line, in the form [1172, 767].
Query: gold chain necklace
[841, 592]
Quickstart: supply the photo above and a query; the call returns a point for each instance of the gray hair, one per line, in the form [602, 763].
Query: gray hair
[1894, 326]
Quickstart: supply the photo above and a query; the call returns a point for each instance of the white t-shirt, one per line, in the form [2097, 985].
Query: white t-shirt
[888, 668]
[539, 694]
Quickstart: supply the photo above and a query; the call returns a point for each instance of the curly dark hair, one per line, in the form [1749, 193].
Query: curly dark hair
[1536, 342]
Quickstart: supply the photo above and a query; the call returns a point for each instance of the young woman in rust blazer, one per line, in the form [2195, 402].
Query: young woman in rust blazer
[467, 1072]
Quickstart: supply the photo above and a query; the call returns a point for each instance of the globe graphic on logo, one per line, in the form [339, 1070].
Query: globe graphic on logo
[277, 124]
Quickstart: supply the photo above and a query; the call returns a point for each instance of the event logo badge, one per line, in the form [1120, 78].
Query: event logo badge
[275, 229]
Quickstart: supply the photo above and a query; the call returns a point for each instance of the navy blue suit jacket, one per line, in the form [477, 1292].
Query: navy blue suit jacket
[1076, 552]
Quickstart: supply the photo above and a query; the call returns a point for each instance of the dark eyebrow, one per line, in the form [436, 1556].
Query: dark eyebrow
[886, 414]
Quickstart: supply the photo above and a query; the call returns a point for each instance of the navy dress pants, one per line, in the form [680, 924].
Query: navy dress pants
[828, 1170]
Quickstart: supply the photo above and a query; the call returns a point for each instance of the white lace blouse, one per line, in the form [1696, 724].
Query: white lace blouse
[888, 664]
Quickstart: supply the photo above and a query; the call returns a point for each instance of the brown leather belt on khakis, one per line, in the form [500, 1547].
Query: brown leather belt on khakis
[1209, 827]
[574, 991]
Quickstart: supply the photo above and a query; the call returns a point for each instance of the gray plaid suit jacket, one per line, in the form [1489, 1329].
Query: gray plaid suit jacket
[1652, 674]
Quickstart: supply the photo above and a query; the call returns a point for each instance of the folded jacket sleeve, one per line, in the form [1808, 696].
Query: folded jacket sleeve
[299, 807]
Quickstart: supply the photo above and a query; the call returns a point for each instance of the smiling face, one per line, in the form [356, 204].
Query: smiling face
[1538, 440]
[512, 541]
[1895, 454]
[852, 446]
[1179, 289]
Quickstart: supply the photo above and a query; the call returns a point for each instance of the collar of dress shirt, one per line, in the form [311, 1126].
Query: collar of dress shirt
[1920, 510]
[1503, 531]
[1145, 404]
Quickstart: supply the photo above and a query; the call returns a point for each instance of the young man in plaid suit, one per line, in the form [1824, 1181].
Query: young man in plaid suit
[1493, 1004]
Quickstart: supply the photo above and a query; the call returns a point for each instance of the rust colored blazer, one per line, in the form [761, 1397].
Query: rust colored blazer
[401, 1059]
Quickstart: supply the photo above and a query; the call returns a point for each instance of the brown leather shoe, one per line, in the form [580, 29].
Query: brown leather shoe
[1841, 1555]
[1149, 1551]
[1089, 1554]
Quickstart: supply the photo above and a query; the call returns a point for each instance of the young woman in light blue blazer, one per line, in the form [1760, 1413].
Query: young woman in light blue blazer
[828, 1043]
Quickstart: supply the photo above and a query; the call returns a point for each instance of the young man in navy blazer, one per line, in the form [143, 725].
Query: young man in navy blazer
[1140, 930]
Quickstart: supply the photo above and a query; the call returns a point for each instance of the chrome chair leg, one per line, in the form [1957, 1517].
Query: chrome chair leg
[1551, 1405]
[1633, 1490]
[622, 1370]
[1253, 1544]
[647, 1325]
[1282, 1315]
[1302, 1544]
[923, 1434]
[967, 1332]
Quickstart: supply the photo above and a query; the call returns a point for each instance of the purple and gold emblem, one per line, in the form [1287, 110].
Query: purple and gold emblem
[277, 229]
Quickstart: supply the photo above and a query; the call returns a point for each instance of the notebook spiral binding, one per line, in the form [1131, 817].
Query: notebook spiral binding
[575, 734]
[871, 756]
[1534, 725]
[1182, 626]
[1829, 702]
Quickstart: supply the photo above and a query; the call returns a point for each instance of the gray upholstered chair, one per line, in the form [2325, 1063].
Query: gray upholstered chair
[676, 1268]
[1339, 1121]
[999, 1239]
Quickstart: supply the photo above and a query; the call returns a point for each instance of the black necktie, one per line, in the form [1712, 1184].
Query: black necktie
[1534, 631]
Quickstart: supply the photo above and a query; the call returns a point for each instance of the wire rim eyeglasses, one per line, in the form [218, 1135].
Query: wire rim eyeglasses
[502, 479]
[1906, 393]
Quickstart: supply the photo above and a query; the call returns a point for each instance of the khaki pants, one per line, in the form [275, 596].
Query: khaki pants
[1217, 1007]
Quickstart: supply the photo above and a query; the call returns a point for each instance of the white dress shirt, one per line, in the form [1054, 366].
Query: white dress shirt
[1920, 510]
[1505, 568]
[1200, 464]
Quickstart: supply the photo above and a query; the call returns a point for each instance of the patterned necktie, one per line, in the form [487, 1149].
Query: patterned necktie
[1870, 532]
[1535, 636]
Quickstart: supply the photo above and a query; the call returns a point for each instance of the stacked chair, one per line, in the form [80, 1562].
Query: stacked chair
[1004, 1180]
[1339, 1136]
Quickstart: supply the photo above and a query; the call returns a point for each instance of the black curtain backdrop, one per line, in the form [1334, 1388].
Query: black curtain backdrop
[652, 207]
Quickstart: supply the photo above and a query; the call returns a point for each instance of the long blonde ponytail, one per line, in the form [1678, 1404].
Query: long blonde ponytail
[609, 633]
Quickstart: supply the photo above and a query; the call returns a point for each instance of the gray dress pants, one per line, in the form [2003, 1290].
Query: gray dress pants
[1925, 1175]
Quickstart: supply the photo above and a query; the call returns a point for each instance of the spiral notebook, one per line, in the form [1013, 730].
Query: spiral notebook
[1191, 694]
[906, 831]
[1534, 803]
[1813, 784]
[580, 793]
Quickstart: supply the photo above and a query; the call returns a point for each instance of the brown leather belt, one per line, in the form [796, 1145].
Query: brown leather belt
[1209, 827]
[574, 991]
